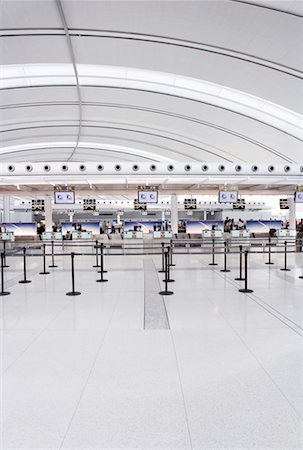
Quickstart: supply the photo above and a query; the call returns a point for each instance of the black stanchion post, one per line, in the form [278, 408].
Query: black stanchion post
[73, 292]
[167, 271]
[285, 258]
[213, 255]
[240, 278]
[53, 256]
[44, 262]
[166, 291]
[102, 271]
[4, 251]
[163, 257]
[24, 268]
[225, 258]
[246, 290]
[171, 254]
[269, 252]
[97, 261]
[3, 292]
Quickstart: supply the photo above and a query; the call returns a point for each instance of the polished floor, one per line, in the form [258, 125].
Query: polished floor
[121, 367]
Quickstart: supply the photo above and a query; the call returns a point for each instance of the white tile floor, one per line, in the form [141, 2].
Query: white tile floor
[82, 373]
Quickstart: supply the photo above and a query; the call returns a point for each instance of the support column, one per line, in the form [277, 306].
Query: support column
[48, 207]
[174, 213]
[6, 209]
[292, 212]
[119, 218]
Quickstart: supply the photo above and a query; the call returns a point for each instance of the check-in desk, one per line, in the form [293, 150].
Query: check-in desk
[286, 233]
[166, 234]
[133, 234]
[82, 235]
[212, 234]
[239, 234]
[52, 236]
[7, 236]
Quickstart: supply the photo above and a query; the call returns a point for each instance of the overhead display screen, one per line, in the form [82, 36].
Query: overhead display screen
[228, 196]
[147, 196]
[64, 197]
[299, 196]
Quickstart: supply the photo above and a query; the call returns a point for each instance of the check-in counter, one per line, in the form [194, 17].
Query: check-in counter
[286, 233]
[239, 234]
[82, 235]
[52, 236]
[167, 234]
[212, 233]
[133, 234]
[7, 236]
[157, 234]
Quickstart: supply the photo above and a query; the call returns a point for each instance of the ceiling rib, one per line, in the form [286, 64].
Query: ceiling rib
[73, 59]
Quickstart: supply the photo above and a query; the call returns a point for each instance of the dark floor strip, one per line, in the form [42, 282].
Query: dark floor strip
[155, 314]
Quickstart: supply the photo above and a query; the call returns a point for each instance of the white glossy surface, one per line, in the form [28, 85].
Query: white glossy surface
[82, 373]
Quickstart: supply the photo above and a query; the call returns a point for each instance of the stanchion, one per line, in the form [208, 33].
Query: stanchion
[240, 278]
[163, 257]
[3, 292]
[269, 252]
[44, 262]
[97, 261]
[166, 291]
[213, 256]
[102, 271]
[167, 271]
[73, 292]
[246, 290]
[171, 254]
[24, 281]
[285, 268]
[225, 258]
[53, 257]
[4, 251]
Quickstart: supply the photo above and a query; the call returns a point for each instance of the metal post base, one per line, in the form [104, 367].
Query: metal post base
[246, 290]
[224, 270]
[286, 270]
[101, 281]
[212, 264]
[161, 271]
[71, 294]
[166, 293]
[4, 293]
[53, 266]
[24, 281]
[44, 273]
[240, 279]
[269, 263]
[301, 277]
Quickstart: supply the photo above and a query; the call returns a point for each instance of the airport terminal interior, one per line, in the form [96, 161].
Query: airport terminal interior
[151, 224]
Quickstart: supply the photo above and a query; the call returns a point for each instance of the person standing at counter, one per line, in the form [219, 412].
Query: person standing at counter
[4, 228]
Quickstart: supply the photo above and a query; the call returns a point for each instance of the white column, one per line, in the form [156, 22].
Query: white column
[174, 213]
[71, 216]
[6, 209]
[292, 212]
[48, 207]
[118, 218]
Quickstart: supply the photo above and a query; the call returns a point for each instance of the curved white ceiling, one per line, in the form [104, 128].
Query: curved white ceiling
[160, 81]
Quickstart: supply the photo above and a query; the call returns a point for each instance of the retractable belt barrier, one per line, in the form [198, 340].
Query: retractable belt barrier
[162, 249]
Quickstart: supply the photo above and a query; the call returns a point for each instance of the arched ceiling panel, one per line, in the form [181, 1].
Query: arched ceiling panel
[207, 81]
